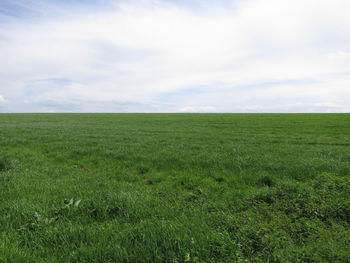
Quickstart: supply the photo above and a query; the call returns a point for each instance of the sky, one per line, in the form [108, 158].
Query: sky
[174, 56]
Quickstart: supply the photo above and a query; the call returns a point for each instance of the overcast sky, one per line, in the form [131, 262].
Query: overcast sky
[175, 56]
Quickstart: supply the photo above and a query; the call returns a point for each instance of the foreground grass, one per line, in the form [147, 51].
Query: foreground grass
[174, 188]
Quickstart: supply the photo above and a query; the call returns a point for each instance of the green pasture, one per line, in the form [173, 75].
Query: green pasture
[174, 188]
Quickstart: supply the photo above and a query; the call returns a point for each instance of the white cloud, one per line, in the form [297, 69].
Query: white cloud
[136, 53]
[204, 109]
[339, 55]
[2, 99]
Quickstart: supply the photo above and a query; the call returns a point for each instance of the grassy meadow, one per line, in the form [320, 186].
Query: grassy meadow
[174, 188]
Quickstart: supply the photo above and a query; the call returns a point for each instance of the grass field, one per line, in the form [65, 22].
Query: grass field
[175, 188]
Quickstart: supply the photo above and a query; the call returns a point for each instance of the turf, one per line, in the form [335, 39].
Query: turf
[174, 188]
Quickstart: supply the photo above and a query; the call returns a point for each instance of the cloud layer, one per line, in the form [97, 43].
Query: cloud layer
[175, 56]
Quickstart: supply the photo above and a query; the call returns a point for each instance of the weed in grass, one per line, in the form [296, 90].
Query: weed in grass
[142, 170]
[6, 163]
[266, 180]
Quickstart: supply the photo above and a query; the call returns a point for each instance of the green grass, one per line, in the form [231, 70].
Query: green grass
[174, 188]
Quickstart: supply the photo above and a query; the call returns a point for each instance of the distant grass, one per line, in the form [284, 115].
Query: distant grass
[174, 188]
